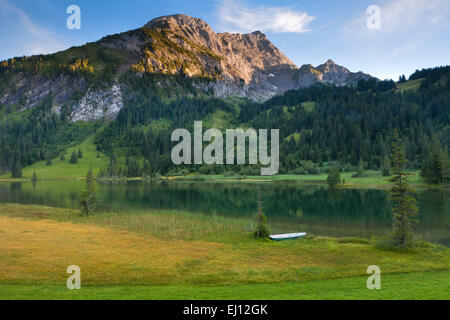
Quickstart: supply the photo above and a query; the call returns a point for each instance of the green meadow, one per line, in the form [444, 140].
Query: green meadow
[393, 286]
[64, 170]
[178, 255]
[410, 85]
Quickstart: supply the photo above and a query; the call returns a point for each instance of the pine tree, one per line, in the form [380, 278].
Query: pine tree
[435, 168]
[62, 157]
[80, 154]
[386, 169]
[361, 168]
[133, 168]
[73, 157]
[334, 177]
[88, 197]
[445, 168]
[404, 207]
[147, 169]
[49, 161]
[112, 168]
[262, 227]
[34, 178]
[16, 171]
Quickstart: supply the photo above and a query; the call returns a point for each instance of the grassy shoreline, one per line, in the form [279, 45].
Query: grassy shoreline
[65, 171]
[374, 180]
[166, 250]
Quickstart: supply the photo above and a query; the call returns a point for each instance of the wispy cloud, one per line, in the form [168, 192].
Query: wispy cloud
[237, 16]
[28, 38]
[406, 15]
[402, 14]
[406, 26]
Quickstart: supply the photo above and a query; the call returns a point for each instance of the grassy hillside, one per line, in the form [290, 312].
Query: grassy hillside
[105, 63]
[410, 85]
[60, 170]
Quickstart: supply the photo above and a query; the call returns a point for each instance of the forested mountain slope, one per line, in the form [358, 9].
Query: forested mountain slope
[134, 88]
[317, 124]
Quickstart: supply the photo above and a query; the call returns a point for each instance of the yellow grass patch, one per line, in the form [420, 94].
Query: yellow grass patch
[42, 250]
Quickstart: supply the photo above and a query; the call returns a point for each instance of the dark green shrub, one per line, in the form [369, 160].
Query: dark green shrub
[334, 177]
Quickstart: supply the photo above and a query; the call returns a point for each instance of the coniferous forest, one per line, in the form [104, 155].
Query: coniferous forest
[348, 126]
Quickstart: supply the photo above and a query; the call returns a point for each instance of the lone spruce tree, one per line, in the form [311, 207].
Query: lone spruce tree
[334, 177]
[404, 206]
[73, 157]
[88, 197]
[262, 227]
[16, 171]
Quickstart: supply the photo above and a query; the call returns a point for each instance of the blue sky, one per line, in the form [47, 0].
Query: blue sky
[414, 34]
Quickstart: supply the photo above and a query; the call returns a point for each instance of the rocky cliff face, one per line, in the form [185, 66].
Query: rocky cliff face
[244, 65]
[98, 104]
[241, 64]
[30, 90]
[340, 76]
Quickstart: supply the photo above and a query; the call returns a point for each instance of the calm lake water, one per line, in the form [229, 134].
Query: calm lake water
[290, 207]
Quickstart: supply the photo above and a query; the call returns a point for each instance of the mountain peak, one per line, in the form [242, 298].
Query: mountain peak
[180, 20]
[330, 73]
[258, 33]
[187, 45]
[182, 44]
[330, 65]
[245, 65]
